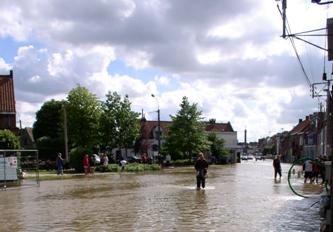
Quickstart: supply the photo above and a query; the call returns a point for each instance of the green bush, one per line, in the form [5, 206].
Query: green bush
[76, 157]
[136, 167]
[8, 140]
[133, 167]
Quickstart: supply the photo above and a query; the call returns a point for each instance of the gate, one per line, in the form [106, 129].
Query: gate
[19, 168]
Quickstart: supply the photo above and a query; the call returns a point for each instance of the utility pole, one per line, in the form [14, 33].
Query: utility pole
[329, 144]
[65, 134]
[159, 132]
[158, 129]
[284, 8]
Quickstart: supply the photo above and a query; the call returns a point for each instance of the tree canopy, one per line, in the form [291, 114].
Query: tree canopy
[83, 113]
[48, 129]
[217, 148]
[186, 133]
[8, 140]
[118, 123]
[49, 120]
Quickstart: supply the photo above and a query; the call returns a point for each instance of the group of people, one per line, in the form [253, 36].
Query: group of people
[311, 168]
[312, 171]
[90, 162]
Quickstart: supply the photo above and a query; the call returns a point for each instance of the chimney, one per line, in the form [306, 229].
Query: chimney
[299, 121]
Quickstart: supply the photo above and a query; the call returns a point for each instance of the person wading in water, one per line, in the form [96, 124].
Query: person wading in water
[201, 166]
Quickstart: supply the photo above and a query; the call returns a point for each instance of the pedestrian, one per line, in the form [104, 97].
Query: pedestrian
[315, 170]
[201, 166]
[86, 164]
[123, 164]
[105, 160]
[60, 164]
[308, 169]
[277, 166]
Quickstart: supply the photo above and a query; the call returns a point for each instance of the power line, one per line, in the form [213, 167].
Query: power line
[295, 49]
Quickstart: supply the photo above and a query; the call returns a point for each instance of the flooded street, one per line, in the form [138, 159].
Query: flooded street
[241, 197]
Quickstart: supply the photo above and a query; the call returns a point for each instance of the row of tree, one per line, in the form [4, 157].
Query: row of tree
[94, 125]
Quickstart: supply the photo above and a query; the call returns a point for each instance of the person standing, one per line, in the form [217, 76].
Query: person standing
[105, 160]
[201, 166]
[60, 164]
[86, 164]
[123, 164]
[277, 166]
[308, 169]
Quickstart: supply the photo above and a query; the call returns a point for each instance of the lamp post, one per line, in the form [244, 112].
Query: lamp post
[65, 134]
[158, 126]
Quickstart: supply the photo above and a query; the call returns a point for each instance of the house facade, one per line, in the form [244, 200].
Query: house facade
[7, 103]
[306, 139]
[149, 136]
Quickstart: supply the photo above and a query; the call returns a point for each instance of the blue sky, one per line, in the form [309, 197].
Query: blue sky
[236, 70]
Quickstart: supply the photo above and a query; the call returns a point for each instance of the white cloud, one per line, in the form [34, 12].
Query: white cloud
[230, 60]
[4, 67]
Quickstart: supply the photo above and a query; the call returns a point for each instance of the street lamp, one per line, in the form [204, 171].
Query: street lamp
[158, 125]
[65, 134]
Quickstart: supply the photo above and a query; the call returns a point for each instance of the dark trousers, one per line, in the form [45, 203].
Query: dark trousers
[277, 171]
[201, 181]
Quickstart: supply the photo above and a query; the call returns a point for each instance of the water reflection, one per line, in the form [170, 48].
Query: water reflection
[242, 197]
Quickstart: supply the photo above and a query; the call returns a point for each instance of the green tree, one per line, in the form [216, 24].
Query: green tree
[119, 125]
[8, 140]
[49, 120]
[83, 113]
[217, 148]
[48, 129]
[186, 133]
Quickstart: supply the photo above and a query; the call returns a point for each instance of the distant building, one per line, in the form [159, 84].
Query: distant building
[7, 103]
[223, 131]
[149, 135]
[8, 112]
[27, 140]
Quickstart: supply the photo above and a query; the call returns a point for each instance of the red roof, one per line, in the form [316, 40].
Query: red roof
[216, 127]
[219, 127]
[301, 127]
[7, 98]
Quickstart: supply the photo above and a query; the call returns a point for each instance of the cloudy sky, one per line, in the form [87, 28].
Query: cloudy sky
[226, 56]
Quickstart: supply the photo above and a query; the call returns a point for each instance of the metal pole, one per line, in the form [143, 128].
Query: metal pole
[65, 134]
[159, 132]
[158, 129]
[329, 144]
[4, 171]
[284, 8]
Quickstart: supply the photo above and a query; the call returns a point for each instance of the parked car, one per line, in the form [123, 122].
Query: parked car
[258, 157]
[95, 159]
[133, 159]
[243, 157]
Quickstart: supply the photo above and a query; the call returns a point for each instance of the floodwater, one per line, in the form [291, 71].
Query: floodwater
[240, 197]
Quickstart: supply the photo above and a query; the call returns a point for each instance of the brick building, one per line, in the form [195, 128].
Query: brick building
[7, 103]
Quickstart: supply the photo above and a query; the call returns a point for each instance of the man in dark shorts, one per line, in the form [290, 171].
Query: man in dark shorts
[277, 166]
[201, 166]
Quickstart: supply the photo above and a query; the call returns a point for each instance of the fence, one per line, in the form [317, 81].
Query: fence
[19, 168]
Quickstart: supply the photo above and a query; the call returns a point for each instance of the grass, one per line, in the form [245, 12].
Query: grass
[69, 174]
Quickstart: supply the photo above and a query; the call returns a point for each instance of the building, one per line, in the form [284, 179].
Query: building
[7, 103]
[149, 136]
